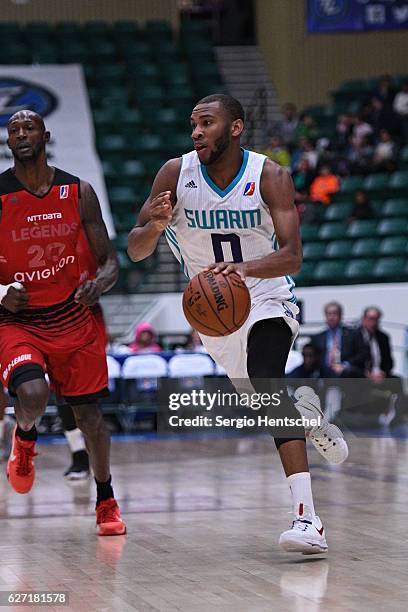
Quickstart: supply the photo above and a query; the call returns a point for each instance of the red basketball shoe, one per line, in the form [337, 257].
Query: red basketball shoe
[108, 518]
[20, 466]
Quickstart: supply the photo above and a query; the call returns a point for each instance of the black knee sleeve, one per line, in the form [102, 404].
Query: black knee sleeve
[24, 373]
[269, 344]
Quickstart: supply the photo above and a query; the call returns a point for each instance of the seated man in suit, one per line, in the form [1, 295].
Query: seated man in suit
[341, 353]
[379, 363]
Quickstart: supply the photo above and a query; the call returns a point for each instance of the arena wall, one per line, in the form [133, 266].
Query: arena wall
[305, 67]
[89, 10]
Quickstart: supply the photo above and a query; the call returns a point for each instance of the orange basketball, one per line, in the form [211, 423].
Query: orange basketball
[216, 304]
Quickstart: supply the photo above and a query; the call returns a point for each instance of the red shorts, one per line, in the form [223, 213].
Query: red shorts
[75, 361]
[97, 313]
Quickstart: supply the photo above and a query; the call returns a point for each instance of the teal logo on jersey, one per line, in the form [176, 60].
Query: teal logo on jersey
[222, 219]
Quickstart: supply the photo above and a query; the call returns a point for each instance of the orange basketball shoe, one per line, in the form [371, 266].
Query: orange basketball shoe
[108, 519]
[20, 466]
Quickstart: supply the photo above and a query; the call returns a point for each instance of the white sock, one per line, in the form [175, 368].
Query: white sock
[301, 489]
[75, 440]
[1, 429]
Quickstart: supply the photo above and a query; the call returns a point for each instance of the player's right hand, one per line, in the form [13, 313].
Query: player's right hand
[15, 299]
[160, 211]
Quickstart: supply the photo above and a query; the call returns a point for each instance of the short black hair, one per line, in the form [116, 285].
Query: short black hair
[314, 347]
[231, 105]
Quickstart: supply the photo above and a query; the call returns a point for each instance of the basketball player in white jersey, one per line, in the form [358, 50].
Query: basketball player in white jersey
[221, 204]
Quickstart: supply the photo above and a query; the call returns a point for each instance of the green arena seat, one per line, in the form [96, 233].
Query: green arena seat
[92, 29]
[338, 212]
[395, 208]
[45, 56]
[332, 231]
[126, 28]
[393, 227]
[362, 229]
[366, 247]
[404, 154]
[355, 86]
[124, 262]
[314, 250]
[338, 249]
[142, 143]
[179, 144]
[390, 268]
[132, 174]
[399, 180]
[124, 221]
[378, 206]
[113, 74]
[351, 183]
[309, 232]
[120, 242]
[396, 245]
[375, 182]
[329, 272]
[359, 270]
[158, 30]
[133, 51]
[111, 145]
[122, 197]
[305, 276]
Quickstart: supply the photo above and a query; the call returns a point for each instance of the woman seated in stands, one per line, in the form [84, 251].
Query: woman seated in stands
[145, 339]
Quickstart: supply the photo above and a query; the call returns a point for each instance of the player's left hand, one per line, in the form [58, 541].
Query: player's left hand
[224, 267]
[88, 293]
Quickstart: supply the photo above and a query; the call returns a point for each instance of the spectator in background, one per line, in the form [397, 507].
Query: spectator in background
[385, 153]
[277, 152]
[145, 339]
[305, 150]
[324, 185]
[343, 132]
[385, 91]
[400, 104]
[306, 128]
[286, 127]
[384, 118]
[360, 155]
[379, 362]
[362, 207]
[340, 352]
[312, 366]
[194, 343]
[361, 129]
[302, 179]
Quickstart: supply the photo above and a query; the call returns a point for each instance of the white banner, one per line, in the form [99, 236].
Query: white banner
[58, 93]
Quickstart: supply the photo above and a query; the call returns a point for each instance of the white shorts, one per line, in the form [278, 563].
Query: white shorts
[230, 352]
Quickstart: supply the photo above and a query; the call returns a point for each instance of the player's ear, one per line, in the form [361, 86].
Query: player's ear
[237, 127]
[47, 136]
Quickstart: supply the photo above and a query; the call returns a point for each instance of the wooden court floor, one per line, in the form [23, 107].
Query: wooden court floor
[204, 517]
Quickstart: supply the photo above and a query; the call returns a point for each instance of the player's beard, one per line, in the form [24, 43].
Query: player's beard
[32, 156]
[220, 146]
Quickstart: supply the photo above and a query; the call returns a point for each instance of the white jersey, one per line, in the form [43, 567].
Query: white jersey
[233, 224]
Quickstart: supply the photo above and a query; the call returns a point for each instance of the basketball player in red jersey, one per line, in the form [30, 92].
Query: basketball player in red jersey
[45, 319]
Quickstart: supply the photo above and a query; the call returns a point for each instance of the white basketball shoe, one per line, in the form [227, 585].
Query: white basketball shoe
[306, 535]
[327, 438]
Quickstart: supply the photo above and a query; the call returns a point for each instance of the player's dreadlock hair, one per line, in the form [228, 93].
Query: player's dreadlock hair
[231, 105]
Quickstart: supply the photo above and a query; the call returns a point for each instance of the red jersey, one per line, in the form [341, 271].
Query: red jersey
[38, 248]
[87, 261]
